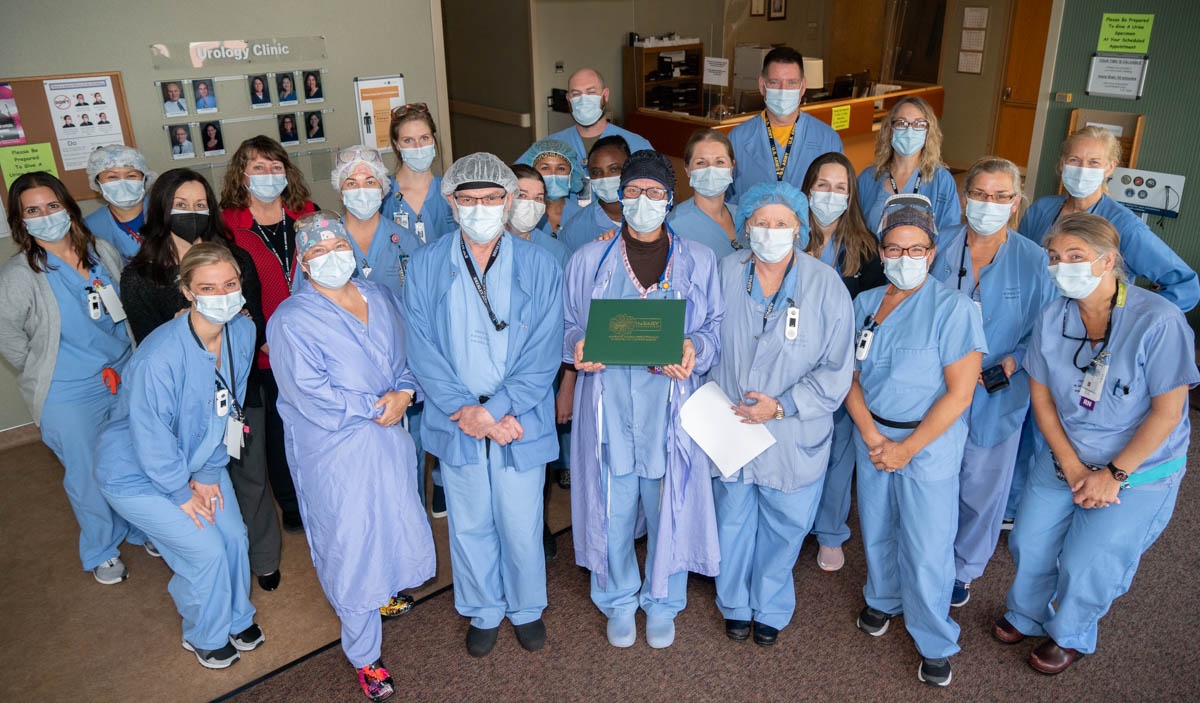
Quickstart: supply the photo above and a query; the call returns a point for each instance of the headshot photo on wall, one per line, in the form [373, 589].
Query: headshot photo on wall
[173, 101]
[285, 88]
[85, 121]
[314, 126]
[260, 92]
[288, 132]
[98, 99]
[180, 136]
[204, 97]
[210, 139]
[313, 90]
[102, 118]
[68, 121]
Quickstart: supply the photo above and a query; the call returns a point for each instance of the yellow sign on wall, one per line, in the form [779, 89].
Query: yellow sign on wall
[15, 160]
[1125, 33]
[841, 118]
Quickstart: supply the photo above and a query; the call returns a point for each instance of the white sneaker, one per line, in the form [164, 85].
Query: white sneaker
[830, 558]
[152, 550]
[111, 571]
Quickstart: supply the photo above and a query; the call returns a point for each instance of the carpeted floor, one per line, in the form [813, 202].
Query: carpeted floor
[67, 638]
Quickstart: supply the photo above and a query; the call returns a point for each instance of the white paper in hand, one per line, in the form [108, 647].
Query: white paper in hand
[709, 420]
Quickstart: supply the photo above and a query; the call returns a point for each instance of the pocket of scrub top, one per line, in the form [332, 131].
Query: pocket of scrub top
[916, 371]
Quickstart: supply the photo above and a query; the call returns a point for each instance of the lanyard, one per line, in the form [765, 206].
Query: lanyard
[221, 383]
[480, 286]
[962, 269]
[896, 190]
[285, 259]
[133, 233]
[1118, 301]
[664, 280]
[780, 167]
[775, 298]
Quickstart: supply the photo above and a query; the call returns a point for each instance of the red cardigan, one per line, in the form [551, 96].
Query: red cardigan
[275, 286]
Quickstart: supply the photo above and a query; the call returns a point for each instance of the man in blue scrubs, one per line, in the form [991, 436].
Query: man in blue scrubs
[780, 143]
[588, 97]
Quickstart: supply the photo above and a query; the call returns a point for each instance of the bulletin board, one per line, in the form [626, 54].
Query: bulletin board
[38, 124]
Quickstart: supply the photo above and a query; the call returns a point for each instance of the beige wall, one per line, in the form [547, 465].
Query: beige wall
[380, 37]
[972, 99]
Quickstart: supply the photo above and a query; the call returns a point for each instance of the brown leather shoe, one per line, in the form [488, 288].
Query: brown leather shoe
[1004, 631]
[1050, 659]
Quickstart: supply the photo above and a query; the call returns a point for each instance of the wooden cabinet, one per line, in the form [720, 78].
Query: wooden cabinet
[665, 78]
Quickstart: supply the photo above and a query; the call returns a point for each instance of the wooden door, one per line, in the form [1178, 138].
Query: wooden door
[1022, 79]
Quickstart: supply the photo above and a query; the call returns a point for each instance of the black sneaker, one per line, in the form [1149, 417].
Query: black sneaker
[292, 522]
[438, 509]
[532, 635]
[737, 630]
[765, 635]
[222, 658]
[873, 622]
[935, 672]
[549, 543]
[248, 639]
[564, 479]
[480, 642]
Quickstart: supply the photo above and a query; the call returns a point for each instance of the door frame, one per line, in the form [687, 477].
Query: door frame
[446, 145]
[1044, 97]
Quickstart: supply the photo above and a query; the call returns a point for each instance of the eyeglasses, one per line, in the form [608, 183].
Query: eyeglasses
[976, 194]
[632, 192]
[411, 108]
[468, 200]
[919, 125]
[894, 251]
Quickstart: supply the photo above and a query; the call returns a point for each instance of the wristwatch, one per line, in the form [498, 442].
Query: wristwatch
[778, 410]
[1117, 473]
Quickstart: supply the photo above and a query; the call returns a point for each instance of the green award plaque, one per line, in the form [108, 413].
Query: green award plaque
[635, 332]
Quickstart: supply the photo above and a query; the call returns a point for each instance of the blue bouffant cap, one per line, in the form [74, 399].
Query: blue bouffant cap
[772, 193]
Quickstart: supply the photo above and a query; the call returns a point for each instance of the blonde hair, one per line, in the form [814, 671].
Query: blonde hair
[1112, 146]
[931, 154]
[1096, 232]
[205, 254]
[995, 164]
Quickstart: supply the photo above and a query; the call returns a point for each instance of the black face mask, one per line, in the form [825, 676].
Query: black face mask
[188, 225]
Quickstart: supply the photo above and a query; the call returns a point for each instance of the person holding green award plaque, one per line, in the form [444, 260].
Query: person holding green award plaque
[786, 359]
[627, 447]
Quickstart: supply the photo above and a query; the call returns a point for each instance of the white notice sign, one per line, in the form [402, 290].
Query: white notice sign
[716, 71]
[1117, 76]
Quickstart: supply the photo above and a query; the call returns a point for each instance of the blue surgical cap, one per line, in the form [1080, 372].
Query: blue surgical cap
[559, 148]
[772, 193]
[317, 226]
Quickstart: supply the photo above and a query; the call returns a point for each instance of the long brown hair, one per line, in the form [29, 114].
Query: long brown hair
[82, 240]
[234, 194]
[852, 233]
[931, 154]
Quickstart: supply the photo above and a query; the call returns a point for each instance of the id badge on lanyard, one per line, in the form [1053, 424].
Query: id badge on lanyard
[1093, 381]
[401, 218]
[112, 302]
[235, 436]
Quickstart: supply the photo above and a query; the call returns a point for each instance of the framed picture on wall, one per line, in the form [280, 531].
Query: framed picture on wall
[180, 136]
[758, 8]
[778, 10]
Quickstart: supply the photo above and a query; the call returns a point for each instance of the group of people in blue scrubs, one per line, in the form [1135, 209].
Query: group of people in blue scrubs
[887, 330]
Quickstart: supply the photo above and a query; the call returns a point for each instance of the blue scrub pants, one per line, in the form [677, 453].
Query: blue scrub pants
[1083, 559]
[71, 428]
[983, 488]
[832, 512]
[211, 585]
[412, 425]
[1027, 451]
[760, 531]
[908, 529]
[495, 523]
[626, 589]
[362, 637]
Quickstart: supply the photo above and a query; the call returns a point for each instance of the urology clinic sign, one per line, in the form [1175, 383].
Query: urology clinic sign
[236, 52]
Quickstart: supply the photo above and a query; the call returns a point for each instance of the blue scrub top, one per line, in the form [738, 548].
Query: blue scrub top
[587, 225]
[688, 220]
[941, 191]
[1146, 256]
[570, 135]
[435, 215]
[122, 235]
[1012, 292]
[1151, 351]
[904, 372]
[85, 346]
[386, 261]
[571, 208]
[550, 243]
[752, 149]
[478, 351]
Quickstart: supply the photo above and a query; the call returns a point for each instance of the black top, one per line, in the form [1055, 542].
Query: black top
[870, 275]
[149, 305]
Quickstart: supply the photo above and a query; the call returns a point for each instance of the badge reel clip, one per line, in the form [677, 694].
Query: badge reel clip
[792, 328]
[95, 309]
[222, 402]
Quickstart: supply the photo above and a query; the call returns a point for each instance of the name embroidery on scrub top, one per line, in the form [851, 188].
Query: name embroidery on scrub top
[780, 166]
[480, 286]
[793, 314]
[1095, 370]
[227, 405]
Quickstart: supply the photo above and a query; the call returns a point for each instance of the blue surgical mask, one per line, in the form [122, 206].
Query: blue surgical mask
[1075, 280]
[124, 192]
[987, 218]
[219, 309]
[782, 102]
[266, 186]
[49, 228]
[587, 109]
[710, 181]
[908, 141]
[644, 215]
[419, 158]
[363, 203]
[557, 186]
[481, 223]
[1081, 182]
[332, 270]
[827, 206]
[607, 189]
[771, 244]
[905, 272]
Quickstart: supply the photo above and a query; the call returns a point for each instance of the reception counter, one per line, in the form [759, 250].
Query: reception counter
[669, 131]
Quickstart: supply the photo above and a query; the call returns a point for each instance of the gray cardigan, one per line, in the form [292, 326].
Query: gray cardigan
[30, 324]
